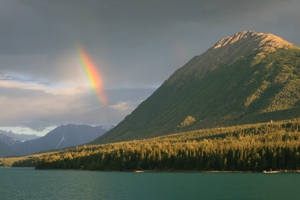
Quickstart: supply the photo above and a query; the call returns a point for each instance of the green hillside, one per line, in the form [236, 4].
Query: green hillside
[253, 147]
[257, 87]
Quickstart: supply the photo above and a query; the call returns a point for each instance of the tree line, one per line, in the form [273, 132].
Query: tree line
[242, 148]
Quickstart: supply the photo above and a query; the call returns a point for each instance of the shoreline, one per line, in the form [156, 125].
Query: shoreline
[196, 171]
[181, 171]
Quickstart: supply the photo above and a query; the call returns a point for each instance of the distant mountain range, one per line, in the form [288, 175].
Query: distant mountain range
[8, 140]
[6, 151]
[20, 137]
[245, 78]
[61, 137]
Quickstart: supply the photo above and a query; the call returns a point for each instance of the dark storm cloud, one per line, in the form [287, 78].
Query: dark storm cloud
[37, 25]
[130, 36]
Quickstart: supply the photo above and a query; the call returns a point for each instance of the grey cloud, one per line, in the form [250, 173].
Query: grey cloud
[6, 77]
[47, 26]
[37, 110]
[45, 83]
[111, 28]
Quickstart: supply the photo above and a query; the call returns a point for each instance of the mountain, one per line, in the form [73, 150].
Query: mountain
[20, 137]
[245, 78]
[5, 150]
[8, 140]
[61, 137]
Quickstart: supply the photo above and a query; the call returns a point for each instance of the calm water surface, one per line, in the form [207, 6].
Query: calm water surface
[27, 183]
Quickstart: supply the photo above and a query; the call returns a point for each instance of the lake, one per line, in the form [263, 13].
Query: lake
[28, 183]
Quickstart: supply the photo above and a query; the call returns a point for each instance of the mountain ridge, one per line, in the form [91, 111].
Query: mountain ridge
[20, 137]
[61, 137]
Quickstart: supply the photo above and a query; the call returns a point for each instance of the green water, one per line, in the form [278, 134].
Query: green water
[27, 183]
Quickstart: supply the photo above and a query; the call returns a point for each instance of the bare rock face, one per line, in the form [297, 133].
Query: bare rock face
[230, 49]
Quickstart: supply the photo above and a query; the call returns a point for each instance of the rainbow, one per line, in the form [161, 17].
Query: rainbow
[93, 76]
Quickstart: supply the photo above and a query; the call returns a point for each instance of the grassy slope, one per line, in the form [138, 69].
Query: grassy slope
[248, 91]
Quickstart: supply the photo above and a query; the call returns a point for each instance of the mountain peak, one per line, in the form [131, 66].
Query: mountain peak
[230, 49]
[256, 41]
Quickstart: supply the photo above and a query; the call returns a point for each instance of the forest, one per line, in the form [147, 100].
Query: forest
[256, 147]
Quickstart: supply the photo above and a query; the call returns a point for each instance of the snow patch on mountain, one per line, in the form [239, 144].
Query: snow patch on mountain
[62, 139]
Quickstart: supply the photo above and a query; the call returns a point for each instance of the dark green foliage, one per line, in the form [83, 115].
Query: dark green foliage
[261, 87]
[29, 162]
[244, 148]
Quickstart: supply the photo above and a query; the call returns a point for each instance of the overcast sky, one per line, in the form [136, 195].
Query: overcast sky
[135, 44]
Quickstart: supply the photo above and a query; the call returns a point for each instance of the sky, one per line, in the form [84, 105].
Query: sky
[135, 46]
